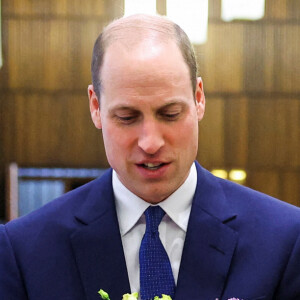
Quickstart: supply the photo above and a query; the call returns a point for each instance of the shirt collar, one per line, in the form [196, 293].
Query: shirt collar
[177, 206]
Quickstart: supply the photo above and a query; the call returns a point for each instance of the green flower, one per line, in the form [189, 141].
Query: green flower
[103, 294]
[132, 296]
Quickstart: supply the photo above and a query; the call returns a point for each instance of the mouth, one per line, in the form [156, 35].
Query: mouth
[152, 166]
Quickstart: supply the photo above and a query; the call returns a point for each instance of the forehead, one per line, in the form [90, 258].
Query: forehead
[150, 75]
[149, 60]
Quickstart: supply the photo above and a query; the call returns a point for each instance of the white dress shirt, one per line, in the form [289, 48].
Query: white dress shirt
[130, 211]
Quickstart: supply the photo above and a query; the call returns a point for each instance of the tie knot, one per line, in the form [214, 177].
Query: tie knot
[154, 215]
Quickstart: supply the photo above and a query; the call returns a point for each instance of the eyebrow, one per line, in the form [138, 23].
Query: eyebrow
[181, 103]
[134, 108]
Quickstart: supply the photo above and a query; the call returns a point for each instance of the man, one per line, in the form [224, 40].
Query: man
[222, 240]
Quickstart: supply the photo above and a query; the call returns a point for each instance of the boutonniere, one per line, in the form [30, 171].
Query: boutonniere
[105, 296]
[132, 296]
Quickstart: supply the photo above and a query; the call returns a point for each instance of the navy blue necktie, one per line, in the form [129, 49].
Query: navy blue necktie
[156, 275]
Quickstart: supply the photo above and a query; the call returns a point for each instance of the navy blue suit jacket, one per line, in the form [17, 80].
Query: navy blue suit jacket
[239, 243]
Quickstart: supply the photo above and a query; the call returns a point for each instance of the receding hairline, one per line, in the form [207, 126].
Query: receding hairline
[139, 25]
[131, 30]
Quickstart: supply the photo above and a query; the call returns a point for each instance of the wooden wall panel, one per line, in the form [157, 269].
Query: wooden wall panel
[293, 9]
[277, 183]
[262, 133]
[276, 9]
[58, 8]
[287, 112]
[4, 68]
[274, 136]
[53, 130]
[291, 187]
[236, 132]
[223, 56]
[8, 127]
[211, 134]
[50, 55]
[259, 51]
[282, 10]
[60, 69]
[268, 50]
[26, 48]
[26, 7]
[287, 60]
[267, 182]
[90, 8]
[254, 40]
[214, 9]
[54, 65]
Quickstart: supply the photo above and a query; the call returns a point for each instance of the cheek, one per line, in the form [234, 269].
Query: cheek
[116, 141]
[187, 133]
[188, 141]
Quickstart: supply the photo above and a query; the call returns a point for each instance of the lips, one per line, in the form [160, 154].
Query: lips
[152, 166]
[153, 170]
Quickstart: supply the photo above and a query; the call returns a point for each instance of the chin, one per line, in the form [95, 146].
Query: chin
[159, 196]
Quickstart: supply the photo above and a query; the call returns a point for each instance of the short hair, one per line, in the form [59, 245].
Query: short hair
[159, 26]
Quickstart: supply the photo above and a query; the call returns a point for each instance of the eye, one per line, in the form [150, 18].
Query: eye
[126, 119]
[172, 112]
[170, 115]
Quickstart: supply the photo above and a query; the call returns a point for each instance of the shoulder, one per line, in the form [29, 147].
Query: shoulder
[251, 202]
[252, 208]
[240, 195]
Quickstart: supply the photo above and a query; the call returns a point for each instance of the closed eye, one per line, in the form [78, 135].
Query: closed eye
[171, 112]
[124, 115]
[126, 119]
[171, 116]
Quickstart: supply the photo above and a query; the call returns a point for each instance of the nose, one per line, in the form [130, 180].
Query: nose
[151, 138]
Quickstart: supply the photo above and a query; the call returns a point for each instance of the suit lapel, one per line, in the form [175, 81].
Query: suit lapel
[97, 244]
[209, 243]
[207, 253]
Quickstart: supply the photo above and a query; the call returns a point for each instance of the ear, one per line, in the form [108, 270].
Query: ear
[200, 99]
[94, 107]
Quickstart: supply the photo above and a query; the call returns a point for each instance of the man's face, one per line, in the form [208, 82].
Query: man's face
[148, 116]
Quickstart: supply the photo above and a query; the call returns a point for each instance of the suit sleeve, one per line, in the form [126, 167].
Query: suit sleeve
[289, 287]
[11, 283]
